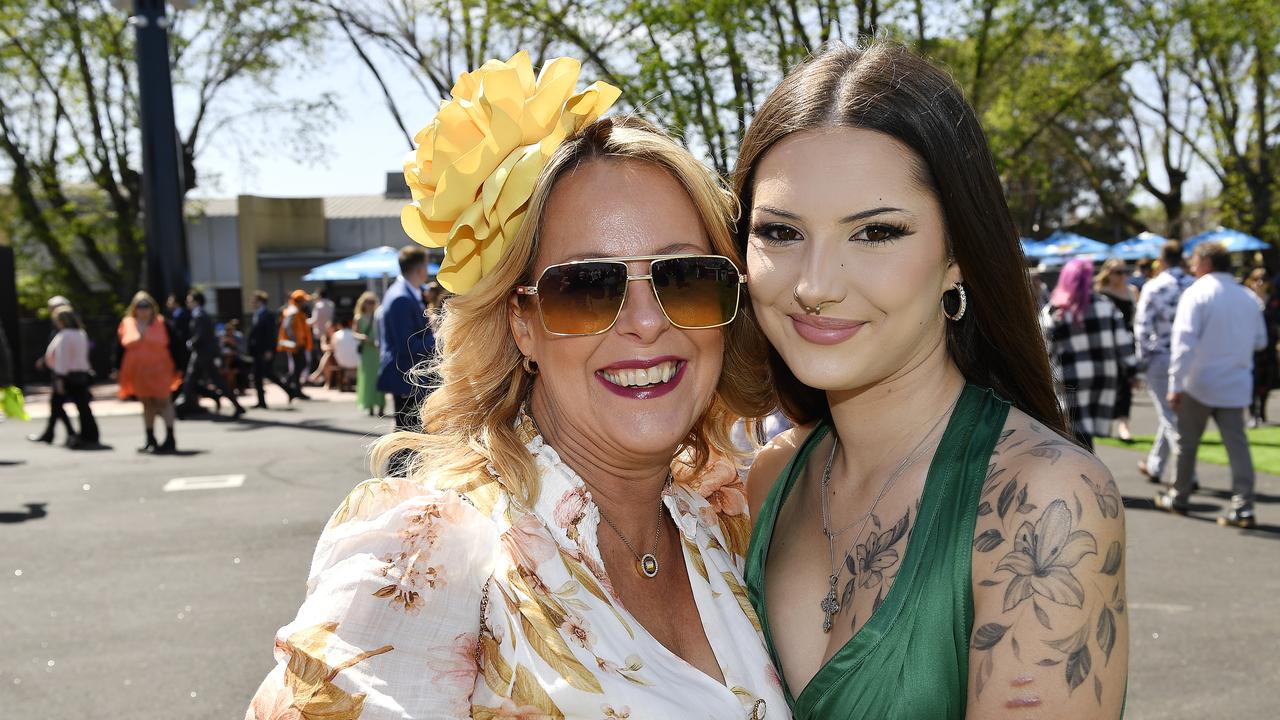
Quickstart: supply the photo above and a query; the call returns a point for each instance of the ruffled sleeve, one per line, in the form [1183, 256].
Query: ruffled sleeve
[389, 625]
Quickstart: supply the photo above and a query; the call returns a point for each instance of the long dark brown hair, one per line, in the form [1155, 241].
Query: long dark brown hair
[883, 87]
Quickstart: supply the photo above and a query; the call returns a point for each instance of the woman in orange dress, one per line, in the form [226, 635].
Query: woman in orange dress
[147, 371]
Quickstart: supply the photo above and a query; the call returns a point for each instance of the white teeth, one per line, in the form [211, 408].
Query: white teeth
[641, 377]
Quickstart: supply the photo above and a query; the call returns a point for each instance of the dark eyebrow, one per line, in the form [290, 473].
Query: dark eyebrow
[862, 215]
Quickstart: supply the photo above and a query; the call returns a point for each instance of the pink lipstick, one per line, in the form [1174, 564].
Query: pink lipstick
[824, 331]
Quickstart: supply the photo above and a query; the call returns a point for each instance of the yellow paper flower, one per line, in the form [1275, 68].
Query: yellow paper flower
[476, 163]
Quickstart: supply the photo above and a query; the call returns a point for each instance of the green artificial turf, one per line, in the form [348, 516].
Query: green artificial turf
[1264, 445]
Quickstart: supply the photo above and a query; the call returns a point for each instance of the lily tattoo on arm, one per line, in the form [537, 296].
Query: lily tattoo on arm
[1041, 567]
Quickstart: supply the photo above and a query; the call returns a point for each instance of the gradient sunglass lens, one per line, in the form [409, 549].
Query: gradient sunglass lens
[581, 298]
[697, 291]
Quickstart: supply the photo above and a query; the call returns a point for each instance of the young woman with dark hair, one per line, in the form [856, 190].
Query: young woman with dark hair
[927, 542]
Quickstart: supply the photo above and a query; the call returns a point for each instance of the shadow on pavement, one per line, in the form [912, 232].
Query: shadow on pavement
[183, 453]
[247, 422]
[252, 422]
[35, 511]
[1271, 532]
[12, 462]
[1147, 503]
[1226, 495]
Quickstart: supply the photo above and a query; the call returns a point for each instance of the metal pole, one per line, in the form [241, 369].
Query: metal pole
[162, 183]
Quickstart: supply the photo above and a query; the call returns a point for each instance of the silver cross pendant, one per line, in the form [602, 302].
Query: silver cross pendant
[829, 606]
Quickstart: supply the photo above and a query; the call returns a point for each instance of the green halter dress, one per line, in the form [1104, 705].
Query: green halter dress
[911, 659]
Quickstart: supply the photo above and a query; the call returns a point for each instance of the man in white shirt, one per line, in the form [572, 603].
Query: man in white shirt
[1217, 329]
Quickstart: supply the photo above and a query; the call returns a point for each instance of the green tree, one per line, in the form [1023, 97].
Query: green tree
[69, 119]
[1235, 71]
[1045, 80]
[1163, 121]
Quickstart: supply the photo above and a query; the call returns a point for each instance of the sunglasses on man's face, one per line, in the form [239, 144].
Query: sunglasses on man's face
[585, 297]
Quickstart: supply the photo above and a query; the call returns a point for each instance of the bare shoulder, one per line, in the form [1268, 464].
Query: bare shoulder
[770, 461]
[1029, 447]
[1050, 624]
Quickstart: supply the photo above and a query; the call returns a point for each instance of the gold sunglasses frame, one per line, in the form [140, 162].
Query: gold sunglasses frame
[532, 290]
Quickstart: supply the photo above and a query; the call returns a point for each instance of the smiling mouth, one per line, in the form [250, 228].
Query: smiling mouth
[653, 376]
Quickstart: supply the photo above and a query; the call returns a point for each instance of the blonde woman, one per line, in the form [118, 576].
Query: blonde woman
[368, 396]
[548, 555]
[147, 371]
[1113, 281]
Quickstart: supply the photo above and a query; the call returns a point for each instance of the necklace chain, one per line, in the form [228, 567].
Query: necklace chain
[830, 605]
[648, 563]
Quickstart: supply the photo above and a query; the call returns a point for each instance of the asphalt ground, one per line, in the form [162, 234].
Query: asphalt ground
[119, 599]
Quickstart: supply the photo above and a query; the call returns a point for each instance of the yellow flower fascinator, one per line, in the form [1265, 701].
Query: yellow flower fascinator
[477, 162]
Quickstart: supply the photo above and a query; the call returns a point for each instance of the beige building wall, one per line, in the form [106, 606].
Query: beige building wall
[273, 225]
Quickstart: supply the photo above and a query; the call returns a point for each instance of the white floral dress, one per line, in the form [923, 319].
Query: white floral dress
[452, 604]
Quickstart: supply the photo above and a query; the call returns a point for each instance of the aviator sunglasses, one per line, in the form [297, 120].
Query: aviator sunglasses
[585, 297]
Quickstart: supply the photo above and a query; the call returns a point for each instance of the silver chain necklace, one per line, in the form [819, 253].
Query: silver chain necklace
[646, 564]
[830, 605]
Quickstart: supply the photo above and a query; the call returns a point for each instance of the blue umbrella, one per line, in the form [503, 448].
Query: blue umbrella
[376, 263]
[1234, 240]
[1029, 247]
[1062, 244]
[1143, 245]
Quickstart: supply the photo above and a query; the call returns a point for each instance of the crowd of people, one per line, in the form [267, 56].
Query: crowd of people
[1203, 342]
[169, 359]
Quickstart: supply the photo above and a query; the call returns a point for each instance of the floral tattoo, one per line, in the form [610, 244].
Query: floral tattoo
[1039, 568]
[873, 563]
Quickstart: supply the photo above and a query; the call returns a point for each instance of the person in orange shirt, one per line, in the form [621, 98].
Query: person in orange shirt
[295, 339]
[147, 371]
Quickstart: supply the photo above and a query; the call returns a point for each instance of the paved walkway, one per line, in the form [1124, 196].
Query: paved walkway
[107, 402]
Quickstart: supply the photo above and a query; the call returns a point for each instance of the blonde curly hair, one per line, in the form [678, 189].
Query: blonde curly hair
[469, 421]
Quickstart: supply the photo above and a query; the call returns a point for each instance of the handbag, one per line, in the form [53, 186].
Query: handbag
[13, 403]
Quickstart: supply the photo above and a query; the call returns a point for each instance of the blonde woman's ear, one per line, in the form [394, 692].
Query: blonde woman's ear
[519, 318]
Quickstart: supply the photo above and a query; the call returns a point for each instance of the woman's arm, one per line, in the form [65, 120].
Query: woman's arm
[390, 623]
[1050, 630]
[53, 354]
[768, 464]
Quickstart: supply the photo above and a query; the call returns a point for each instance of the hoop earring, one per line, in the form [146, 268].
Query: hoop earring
[529, 365]
[964, 303]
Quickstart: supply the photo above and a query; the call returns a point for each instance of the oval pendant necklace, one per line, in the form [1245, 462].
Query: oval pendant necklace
[647, 564]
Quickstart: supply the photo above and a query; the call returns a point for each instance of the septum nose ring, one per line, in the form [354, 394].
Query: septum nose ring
[808, 309]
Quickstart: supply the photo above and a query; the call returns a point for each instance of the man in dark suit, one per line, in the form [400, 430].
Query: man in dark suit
[262, 348]
[201, 366]
[406, 337]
